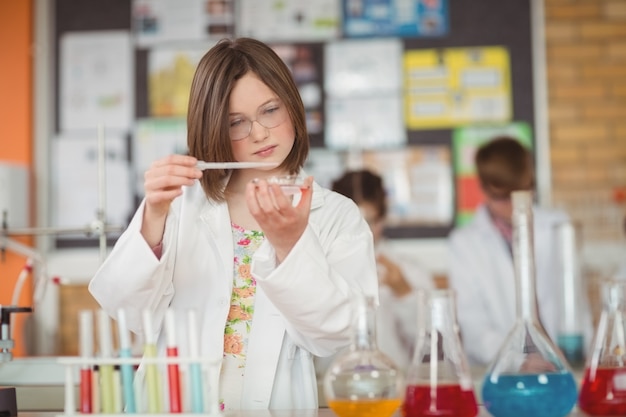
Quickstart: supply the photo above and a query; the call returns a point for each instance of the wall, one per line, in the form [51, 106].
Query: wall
[16, 25]
[586, 59]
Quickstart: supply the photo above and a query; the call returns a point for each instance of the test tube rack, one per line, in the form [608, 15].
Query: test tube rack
[210, 378]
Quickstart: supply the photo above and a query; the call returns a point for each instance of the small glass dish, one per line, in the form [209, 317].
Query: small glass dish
[290, 184]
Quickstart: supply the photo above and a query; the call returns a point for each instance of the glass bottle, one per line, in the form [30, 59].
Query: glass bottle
[570, 338]
[603, 390]
[363, 381]
[438, 381]
[529, 377]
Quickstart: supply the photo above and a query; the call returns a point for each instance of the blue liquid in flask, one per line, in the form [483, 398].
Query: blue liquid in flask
[530, 395]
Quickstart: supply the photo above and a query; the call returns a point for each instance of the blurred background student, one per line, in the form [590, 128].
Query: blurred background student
[480, 254]
[398, 274]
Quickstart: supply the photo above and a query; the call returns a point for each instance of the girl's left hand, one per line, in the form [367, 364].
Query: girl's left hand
[281, 222]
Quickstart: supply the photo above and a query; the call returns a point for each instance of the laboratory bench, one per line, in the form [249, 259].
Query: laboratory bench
[39, 386]
[322, 412]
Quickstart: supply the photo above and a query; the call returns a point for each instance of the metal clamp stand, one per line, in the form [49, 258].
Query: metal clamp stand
[97, 227]
[8, 395]
[6, 343]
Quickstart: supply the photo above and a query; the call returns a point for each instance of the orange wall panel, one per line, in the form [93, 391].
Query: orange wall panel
[16, 139]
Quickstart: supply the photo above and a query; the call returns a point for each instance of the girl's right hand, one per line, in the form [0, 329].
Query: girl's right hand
[164, 180]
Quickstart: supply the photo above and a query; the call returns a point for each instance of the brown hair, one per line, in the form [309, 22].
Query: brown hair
[207, 117]
[363, 187]
[504, 165]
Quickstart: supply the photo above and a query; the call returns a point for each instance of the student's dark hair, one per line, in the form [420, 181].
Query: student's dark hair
[363, 186]
[207, 117]
[504, 165]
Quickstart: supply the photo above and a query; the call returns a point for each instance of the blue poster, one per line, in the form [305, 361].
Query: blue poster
[403, 18]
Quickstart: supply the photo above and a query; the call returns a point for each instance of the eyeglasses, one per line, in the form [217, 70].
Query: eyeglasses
[269, 116]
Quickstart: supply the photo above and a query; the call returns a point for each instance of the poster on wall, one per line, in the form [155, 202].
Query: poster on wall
[220, 18]
[407, 18]
[76, 183]
[449, 87]
[465, 141]
[96, 86]
[305, 60]
[363, 67]
[289, 20]
[157, 22]
[363, 86]
[418, 182]
[364, 123]
[170, 73]
[154, 139]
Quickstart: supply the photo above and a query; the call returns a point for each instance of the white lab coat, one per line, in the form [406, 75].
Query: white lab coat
[302, 306]
[481, 272]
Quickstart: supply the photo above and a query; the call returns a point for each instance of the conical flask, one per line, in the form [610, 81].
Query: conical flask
[363, 381]
[438, 381]
[529, 376]
[603, 390]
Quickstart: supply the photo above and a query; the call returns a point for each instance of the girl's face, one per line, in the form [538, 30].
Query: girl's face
[256, 110]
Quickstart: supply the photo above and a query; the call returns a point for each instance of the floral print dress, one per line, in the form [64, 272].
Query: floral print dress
[237, 330]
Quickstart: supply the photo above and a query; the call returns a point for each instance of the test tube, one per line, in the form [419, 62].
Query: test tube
[195, 369]
[126, 369]
[107, 395]
[85, 330]
[152, 372]
[173, 373]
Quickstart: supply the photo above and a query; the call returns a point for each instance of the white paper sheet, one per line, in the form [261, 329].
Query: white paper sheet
[159, 21]
[418, 181]
[154, 139]
[96, 82]
[363, 67]
[289, 20]
[75, 190]
[365, 123]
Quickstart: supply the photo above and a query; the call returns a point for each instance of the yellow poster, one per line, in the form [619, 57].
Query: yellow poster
[450, 87]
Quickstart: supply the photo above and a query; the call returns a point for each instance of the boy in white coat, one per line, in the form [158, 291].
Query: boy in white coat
[481, 261]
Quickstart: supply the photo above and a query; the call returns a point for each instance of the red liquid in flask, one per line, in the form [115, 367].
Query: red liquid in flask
[440, 401]
[605, 395]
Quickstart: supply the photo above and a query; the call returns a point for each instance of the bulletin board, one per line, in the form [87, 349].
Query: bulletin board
[498, 32]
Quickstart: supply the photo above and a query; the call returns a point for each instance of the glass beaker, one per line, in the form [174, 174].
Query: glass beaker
[570, 338]
[363, 381]
[529, 377]
[438, 381]
[603, 390]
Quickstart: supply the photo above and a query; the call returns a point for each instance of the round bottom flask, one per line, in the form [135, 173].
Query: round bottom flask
[363, 382]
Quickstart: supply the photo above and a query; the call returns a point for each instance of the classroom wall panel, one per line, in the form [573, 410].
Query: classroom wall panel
[16, 132]
[487, 23]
